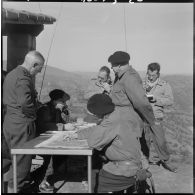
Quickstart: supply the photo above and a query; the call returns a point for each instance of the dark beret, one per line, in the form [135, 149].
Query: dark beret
[58, 94]
[119, 58]
[100, 104]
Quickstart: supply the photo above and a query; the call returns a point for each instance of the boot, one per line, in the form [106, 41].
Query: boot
[167, 165]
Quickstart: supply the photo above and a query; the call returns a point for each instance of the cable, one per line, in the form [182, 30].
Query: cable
[59, 14]
[125, 28]
[39, 7]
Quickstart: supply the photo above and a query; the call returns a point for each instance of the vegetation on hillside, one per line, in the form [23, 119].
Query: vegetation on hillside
[178, 118]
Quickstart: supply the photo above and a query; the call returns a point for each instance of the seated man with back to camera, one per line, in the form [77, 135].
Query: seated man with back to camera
[52, 116]
[161, 95]
[115, 137]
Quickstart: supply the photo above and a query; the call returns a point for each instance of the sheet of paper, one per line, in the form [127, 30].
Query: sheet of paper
[57, 138]
[84, 125]
[57, 141]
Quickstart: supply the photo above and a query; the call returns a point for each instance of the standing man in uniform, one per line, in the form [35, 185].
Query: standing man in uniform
[19, 99]
[161, 96]
[128, 93]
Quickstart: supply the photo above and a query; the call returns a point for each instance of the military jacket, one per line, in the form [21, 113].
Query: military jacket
[164, 96]
[19, 95]
[115, 133]
[127, 91]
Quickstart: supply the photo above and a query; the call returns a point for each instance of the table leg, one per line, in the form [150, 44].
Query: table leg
[15, 173]
[89, 174]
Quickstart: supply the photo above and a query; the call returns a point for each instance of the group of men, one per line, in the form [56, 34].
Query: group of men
[123, 111]
[129, 91]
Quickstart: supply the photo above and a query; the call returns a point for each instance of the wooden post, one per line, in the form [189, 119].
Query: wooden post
[18, 46]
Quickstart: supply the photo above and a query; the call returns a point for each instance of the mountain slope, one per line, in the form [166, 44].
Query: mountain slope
[76, 83]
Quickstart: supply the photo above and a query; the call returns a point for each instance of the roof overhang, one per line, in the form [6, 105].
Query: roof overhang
[13, 16]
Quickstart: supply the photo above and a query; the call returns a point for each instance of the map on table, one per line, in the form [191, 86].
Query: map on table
[57, 139]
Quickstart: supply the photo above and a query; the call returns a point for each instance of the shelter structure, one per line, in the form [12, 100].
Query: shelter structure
[21, 28]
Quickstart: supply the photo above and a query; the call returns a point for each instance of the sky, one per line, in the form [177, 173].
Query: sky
[88, 33]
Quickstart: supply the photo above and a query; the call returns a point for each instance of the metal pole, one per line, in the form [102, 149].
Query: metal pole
[89, 174]
[14, 173]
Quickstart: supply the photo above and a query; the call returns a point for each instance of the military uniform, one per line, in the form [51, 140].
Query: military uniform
[19, 99]
[164, 97]
[128, 93]
[117, 136]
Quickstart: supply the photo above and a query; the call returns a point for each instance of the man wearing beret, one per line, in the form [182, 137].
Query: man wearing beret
[121, 147]
[128, 93]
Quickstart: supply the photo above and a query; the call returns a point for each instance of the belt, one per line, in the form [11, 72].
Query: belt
[127, 163]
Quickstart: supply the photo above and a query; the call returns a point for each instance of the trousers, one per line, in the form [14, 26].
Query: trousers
[16, 134]
[52, 168]
[156, 133]
[104, 182]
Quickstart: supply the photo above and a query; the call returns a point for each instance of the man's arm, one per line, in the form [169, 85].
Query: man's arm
[167, 98]
[44, 120]
[135, 92]
[99, 136]
[24, 96]
[92, 89]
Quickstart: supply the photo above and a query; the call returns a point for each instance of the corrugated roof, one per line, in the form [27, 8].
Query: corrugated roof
[25, 17]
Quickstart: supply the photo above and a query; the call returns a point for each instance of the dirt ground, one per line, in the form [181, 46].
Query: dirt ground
[75, 180]
[164, 180]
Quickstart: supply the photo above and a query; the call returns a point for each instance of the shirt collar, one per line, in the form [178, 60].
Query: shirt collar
[27, 73]
[157, 82]
[122, 72]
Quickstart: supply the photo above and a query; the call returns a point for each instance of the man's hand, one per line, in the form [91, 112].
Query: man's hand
[106, 87]
[70, 136]
[65, 117]
[59, 106]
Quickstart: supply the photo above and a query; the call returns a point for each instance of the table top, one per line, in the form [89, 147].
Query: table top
[29, 148]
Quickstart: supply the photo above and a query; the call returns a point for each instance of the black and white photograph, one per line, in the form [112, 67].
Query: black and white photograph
[97, 96]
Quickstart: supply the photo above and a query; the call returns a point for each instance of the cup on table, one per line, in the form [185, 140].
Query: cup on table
[60, 126]
[69, 127]
[80, 121]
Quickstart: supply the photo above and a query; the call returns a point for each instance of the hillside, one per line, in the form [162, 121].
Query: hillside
[75, 83]
[182, 86]
[178, 124]
[178, 118]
